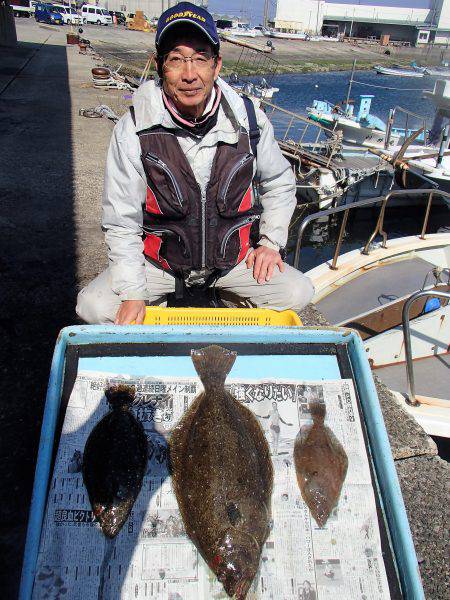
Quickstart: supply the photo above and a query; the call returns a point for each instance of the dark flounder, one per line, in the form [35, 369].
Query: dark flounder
[222, 476]
[321, 465]
[114, 461]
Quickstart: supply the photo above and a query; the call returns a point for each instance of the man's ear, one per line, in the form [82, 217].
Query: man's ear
[218, 66]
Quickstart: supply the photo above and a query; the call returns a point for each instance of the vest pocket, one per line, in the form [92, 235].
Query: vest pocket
[235, 191]
[165, 196]
[167, 247]
[236, 241]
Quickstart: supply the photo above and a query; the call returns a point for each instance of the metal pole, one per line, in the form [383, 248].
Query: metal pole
[407, 340]
[390, 123]
[350, 85]
[266, 14]
[339, 243]
[427, 214]
[443, 146]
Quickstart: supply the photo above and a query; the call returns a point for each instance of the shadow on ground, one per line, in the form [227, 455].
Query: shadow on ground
[37, 269]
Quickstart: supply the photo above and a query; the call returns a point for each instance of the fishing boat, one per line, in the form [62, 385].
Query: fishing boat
[294, 35]
[368, 289]
[258, 90]
[440, 72]
[398, 71]
[240, 30]
[429, 159]
[362, 129]
[324, 175]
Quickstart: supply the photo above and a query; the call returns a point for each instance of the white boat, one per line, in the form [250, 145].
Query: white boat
[262, 30]
[362, 129]
[398, 71]
[441, 72]
[288, 36]
[260, 90]
[368, 289]
[430, 159]
[240, 30]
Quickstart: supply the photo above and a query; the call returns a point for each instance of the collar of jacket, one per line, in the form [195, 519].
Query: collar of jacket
[150, 111]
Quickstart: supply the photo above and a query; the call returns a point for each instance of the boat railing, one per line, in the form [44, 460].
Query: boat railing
[293, 122]
[379, 227]
[408, 115]
[411, 399]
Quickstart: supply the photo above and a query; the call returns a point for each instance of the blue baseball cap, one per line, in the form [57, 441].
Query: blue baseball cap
[186, 12]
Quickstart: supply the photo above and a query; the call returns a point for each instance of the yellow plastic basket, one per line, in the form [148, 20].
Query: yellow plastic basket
[156, 315]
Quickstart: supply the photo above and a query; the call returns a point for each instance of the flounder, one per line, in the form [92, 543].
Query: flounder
[222, 476]
[114, 461]
[321, 465]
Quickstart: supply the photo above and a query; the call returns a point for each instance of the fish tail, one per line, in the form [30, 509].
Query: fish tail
[120, 396]
[213, 364]
[318, 411]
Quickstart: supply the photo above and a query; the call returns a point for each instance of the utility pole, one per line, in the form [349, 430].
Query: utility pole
[266, 14]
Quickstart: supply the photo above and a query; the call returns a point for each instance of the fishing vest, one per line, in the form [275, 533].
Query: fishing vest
[185, 229]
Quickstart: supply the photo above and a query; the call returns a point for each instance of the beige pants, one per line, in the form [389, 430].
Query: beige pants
[97, 303]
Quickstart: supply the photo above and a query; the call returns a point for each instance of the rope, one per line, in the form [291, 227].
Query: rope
[383, 87]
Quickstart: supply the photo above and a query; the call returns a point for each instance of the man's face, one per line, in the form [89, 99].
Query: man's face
[189, 83]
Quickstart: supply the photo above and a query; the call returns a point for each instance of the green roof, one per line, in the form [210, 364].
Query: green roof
[375, 21]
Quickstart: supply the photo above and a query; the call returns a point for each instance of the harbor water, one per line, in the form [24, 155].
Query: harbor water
[296, 92]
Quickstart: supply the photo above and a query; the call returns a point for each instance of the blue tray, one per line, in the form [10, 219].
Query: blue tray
[104, 348]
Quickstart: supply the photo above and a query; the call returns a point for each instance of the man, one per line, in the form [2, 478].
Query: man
[183, 188]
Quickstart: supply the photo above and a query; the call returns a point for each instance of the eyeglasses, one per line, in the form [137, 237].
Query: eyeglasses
[175, 61]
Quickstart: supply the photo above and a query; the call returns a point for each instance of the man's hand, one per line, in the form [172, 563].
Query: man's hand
[264, 260]
[130, 310]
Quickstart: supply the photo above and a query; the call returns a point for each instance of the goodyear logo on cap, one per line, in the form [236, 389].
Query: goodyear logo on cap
[183, 15]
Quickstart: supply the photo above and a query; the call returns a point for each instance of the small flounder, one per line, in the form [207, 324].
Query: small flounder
[321, 465]
[114, 461]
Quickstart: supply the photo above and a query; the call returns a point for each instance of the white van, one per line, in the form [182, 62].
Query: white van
[69, 14]
[95, 14]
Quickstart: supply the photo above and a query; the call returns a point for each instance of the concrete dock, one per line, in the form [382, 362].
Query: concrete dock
[51, 179]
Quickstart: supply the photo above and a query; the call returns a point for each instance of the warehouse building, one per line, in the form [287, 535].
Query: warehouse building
[407, 21]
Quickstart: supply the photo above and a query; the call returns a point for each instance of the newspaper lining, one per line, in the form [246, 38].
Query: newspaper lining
[152, 556]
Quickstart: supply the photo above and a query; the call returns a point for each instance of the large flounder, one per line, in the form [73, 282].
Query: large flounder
[222, 475]
[114, 461]
[321, 465]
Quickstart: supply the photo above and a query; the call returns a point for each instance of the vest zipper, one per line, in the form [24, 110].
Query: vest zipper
[169, 232]
[230, 232]
[162, 165]
[203, 199]
[159, 232]
[233, 172]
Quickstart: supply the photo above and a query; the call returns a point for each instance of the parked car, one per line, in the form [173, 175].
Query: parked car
[47, 13]
[22, 8]
[95, 14]
[121, 18]
[69, 14]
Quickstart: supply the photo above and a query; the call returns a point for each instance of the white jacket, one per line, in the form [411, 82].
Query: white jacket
[125, 182]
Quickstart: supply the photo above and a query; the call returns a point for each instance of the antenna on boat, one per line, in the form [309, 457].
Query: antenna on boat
[350, 83]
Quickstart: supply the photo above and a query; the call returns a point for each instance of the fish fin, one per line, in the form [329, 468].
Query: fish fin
[318, 411]
[120, 396]
[213, 364]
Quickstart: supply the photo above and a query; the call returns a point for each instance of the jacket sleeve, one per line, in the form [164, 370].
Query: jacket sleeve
[276, 185]
[123, 198]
